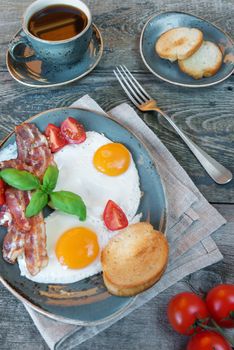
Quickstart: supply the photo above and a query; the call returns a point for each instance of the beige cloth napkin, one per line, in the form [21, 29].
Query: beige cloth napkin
[191, 221]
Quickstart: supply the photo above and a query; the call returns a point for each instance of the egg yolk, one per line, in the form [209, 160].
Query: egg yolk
[77, 248]
[112, 159]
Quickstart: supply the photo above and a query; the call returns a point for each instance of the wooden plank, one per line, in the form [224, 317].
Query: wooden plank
[121, 24]
[145, 328]
[205, 114]
[207, 119]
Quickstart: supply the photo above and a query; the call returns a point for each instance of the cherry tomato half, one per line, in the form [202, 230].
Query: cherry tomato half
[208, 340]
[73, 131]
[114, 217]
[184, 310]
[220, 303]
[2, 192]
[55, 138]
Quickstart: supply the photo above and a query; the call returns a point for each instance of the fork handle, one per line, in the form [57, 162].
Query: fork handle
[217, 171]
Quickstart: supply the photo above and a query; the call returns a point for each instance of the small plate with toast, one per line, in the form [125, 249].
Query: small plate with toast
[186, 50]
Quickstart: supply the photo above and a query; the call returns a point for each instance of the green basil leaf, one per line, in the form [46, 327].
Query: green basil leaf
[20, 179]
[38, 201]
[50, 178]
[69, 203]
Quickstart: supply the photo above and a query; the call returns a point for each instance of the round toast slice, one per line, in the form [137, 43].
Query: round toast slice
[179, 43]
[134, 259]
[205, 62]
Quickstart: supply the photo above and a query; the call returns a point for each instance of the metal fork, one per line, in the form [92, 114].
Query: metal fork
[142, 100]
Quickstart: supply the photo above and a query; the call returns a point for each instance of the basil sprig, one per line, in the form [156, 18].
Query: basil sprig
[20, 179]
[65, 201]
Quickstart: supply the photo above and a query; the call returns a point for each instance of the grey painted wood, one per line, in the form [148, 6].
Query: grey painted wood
[205, 114]
[121, 23]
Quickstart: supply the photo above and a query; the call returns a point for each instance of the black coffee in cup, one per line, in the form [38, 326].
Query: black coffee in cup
[57, 22]
[57, 32]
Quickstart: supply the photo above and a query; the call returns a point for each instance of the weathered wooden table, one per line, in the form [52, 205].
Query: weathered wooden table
[205, 114]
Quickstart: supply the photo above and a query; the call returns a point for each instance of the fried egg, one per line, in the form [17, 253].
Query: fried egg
[97, 170]
[58, 224]
[79, 173]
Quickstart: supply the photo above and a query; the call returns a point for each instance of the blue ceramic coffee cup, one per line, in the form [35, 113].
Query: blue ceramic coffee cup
[57, 52]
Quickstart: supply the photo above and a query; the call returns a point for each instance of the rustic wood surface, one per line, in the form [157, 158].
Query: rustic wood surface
[206, 115]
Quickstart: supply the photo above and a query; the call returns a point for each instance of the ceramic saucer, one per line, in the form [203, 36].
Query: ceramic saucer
[41, 74]
[169, 71]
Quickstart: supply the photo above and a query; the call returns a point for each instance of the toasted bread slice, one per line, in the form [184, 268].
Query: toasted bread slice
[205, 62]
[179, 43]
[134, 259]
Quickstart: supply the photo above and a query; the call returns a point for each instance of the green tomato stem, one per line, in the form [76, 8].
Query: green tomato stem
[218, 329]
[229, 339]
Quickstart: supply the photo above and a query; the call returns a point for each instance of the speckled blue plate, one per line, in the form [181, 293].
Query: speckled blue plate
[169, 71]
[41, 74]
[87, 302]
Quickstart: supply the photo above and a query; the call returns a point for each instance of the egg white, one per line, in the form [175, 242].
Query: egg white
[78, 174]
[56, 224]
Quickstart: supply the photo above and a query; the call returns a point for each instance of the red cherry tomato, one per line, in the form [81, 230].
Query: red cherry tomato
[220, 302]
[73, 131]
[114, 217]
[55, 138]
[2, 192]
[208, 340]
[184, 310]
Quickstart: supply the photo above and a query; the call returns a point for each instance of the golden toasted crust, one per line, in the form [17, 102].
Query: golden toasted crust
[203, 63]
[179, 43]
[134, 259]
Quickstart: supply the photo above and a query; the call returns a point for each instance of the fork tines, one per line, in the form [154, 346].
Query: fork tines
[131, 86]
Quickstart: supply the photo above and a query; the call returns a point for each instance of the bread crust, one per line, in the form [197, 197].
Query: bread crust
[134, 259]
[197, 72]
[172, 44]
[128, 292]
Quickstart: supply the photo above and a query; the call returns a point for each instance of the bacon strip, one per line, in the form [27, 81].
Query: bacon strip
[35, 245]
[12, 163]
[16, 164]
[5, 216]
[28, 137]
[40, 158]
[35, 156]
[17, 202]
[33, 149]
[13, 244]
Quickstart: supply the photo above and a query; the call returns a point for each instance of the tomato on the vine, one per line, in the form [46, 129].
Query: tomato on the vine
[208, 340]
[220, 303]
[185, 310]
